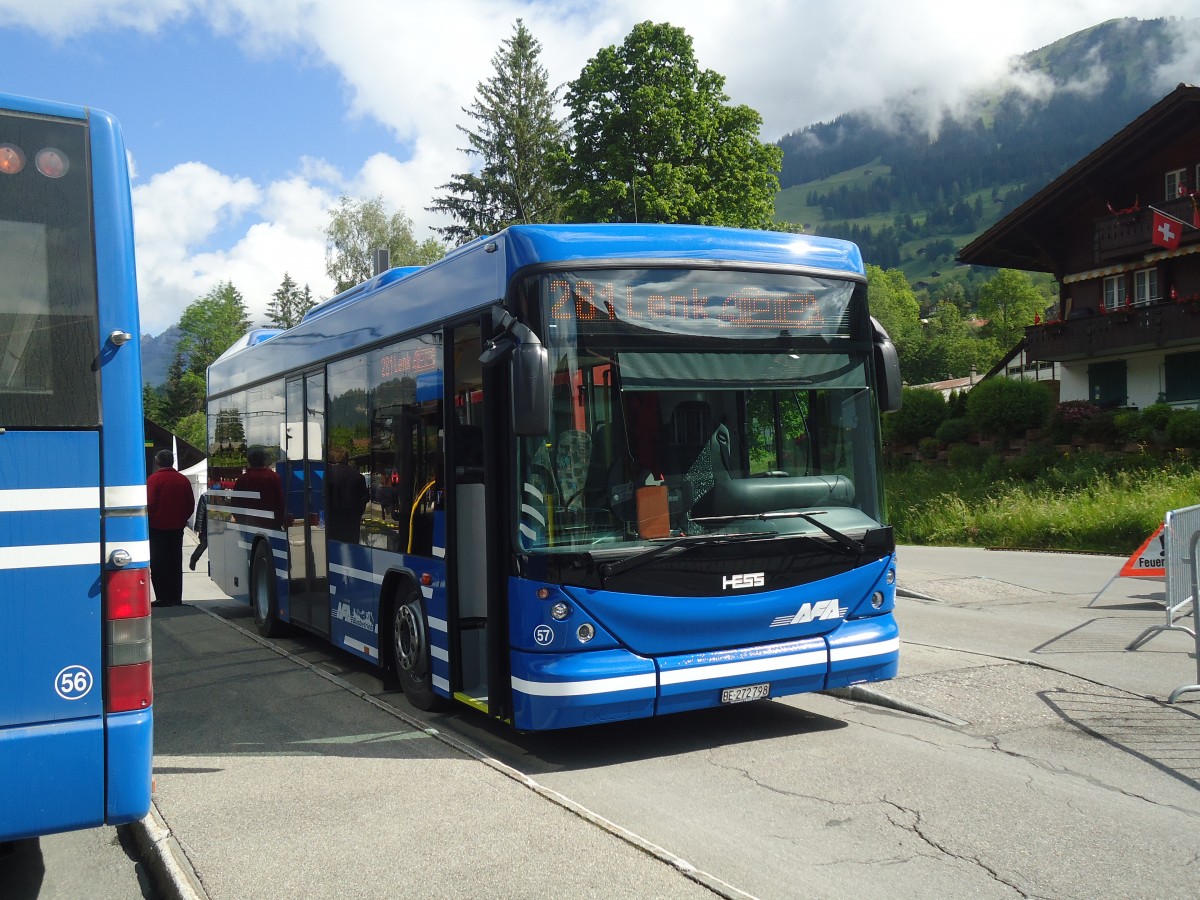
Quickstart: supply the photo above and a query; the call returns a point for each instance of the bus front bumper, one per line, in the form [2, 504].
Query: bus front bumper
[552, 690]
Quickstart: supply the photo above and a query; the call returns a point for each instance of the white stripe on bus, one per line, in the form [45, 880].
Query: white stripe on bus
[361, 647]
[438, 624]
[41, 556]
[584, 688]
[701, 673]
[359, 574]
[139, 551]
[439, 653]
[125, 495]
[40, 499]
[879, 648]
[440, 682]
[746, 667]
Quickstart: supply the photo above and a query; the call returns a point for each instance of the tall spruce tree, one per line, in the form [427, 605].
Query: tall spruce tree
[289, 303]
[514, 140]
[654, 141]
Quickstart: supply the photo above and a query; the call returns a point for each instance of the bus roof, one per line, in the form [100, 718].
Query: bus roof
[477, 274]
[43, 107]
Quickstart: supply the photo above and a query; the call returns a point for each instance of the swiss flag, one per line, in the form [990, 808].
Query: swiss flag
[1166, 231]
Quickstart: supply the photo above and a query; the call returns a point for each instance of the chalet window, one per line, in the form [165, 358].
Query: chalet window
[1176, 182]
[1145, 287]
[1182, 373]
[1106, 383]
[1114, 293]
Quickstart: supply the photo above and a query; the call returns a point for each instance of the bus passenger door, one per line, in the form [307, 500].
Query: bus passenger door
[470, 551]
[308, 570]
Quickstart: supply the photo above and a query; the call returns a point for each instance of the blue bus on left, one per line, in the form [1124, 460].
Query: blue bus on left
[75, 692]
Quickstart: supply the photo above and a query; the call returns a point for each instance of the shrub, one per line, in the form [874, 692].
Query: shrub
[1183, 429]
[929, 447]
[1101, 428]
[921, 412]
[1154, 418]
[1034, 464]
[1005, 407]
[953, 431]
[967, 456]
[1128, 423]
[1068, 418]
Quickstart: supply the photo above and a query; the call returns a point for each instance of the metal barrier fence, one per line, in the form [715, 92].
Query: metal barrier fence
[1182, 544]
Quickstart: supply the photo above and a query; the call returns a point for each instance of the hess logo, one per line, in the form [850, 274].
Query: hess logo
[744, 580]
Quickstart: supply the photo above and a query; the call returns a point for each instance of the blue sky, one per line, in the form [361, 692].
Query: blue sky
[246, 119]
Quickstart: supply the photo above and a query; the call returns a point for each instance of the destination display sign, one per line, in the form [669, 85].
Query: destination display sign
[699, 302]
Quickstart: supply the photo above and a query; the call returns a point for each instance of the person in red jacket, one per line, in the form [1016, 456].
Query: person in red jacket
[264, 490]
[169, 503]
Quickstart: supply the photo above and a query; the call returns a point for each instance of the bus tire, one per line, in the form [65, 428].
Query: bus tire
[409, 648]
[263, 600]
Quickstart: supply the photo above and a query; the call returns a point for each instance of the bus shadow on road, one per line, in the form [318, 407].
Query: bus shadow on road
[621, 742]
[1165, 736]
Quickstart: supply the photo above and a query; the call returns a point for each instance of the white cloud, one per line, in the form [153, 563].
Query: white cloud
[413, 66]
[69, 18]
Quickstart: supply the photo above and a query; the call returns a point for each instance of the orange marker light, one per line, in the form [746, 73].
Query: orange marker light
[12, 160]
[52, 162]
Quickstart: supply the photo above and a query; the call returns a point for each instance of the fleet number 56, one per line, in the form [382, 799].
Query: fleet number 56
[73, 683]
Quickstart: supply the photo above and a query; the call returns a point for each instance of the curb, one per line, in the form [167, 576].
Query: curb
[173, 875]
[875, 698]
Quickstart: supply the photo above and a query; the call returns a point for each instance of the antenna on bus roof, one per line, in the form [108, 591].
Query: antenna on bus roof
[381, 260]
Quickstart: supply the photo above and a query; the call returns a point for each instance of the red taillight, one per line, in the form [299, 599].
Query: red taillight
[127, 593]
[127, 640]
[129, 688]
[12, 159]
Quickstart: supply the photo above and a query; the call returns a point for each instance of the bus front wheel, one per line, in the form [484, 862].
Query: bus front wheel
[410, 649]
[262, 592]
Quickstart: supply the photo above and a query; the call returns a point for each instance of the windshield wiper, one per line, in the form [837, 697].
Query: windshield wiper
[607, 570]
[844, 540]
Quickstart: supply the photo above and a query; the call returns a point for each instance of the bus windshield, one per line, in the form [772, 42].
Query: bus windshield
[690, 402]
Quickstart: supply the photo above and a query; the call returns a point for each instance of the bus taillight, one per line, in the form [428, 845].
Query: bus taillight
[127, 639]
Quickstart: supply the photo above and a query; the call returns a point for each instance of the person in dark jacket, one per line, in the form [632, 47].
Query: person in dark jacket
[169, 503]
[200, 526]
[347, 497]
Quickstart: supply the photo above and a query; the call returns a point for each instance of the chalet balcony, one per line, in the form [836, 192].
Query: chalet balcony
[1154, 326]
[1129, 232]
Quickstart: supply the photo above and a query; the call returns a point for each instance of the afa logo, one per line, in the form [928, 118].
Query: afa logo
[810, 612]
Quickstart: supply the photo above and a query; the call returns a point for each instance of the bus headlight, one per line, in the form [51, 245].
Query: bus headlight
[891, 576]
[560, 611]
[585, 633]
[877, 599]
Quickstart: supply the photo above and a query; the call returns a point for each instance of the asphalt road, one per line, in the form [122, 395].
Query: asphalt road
[1055, 768]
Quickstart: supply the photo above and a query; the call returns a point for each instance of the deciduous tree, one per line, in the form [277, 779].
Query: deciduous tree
[358, 227]
[1009, 301]
[515, 135]
[654, 141]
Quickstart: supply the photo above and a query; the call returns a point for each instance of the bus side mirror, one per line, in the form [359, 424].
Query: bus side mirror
[531, 389]
[887, 369]
[529, 372]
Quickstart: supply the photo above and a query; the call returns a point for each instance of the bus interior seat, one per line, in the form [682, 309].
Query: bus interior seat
[686, 435]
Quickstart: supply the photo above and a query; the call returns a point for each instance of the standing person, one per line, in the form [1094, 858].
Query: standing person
[347, 497]
[201, 529]
[261, 482]
[169, 503]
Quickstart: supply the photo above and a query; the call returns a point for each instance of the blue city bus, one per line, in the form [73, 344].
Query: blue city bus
[75, 689]
[574, 474]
